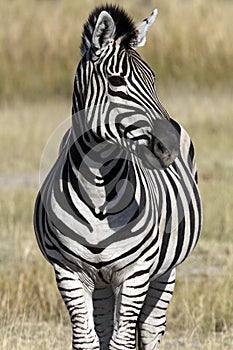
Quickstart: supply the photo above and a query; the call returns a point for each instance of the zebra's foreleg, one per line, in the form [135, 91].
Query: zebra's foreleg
[78, 300]
[103, 300]
[129, 299]
[152, 321]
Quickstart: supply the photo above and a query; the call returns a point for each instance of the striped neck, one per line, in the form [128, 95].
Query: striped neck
[102, 173]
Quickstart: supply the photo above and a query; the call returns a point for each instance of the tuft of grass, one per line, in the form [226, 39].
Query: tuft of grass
[39, 43]
[25, 286]
[21, 334]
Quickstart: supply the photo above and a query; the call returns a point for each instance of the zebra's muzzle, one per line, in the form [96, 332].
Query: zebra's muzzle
[163, 147]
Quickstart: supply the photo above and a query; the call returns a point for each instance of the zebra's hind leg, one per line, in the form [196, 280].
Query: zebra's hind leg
[103, 300]
[78, 300]
[152, 320]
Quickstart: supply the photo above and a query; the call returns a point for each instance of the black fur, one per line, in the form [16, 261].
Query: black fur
[124, 26]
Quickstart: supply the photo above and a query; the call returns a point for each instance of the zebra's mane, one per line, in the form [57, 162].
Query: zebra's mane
[124, 26]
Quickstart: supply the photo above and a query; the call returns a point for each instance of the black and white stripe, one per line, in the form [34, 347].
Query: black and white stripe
[120, 209]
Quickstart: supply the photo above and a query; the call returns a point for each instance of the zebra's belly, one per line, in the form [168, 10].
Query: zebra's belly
[115, 255]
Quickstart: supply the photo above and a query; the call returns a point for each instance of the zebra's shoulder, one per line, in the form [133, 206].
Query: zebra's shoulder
[187, 151]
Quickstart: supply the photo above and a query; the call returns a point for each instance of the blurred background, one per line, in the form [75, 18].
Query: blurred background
[190, 49]
[190, 43]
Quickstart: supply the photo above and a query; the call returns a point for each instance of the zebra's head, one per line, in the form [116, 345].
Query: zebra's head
[116, 89]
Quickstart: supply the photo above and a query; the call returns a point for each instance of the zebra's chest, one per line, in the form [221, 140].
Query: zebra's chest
[110, 216]
[93, 192]
[96, 211]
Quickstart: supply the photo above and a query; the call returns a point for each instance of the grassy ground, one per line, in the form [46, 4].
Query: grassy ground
[201, 313]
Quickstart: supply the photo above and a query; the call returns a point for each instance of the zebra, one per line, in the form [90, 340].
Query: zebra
[120, 208]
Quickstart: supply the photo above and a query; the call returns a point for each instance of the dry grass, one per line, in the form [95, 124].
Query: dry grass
[39, 43]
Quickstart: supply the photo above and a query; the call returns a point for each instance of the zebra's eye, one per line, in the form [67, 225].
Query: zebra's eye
[116, 80]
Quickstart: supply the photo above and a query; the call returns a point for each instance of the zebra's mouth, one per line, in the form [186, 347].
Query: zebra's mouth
[156, 156]
[148, 158]
[157, 147]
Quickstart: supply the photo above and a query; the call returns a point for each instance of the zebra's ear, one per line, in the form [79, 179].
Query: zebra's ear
[142, 28]
[104, 31]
